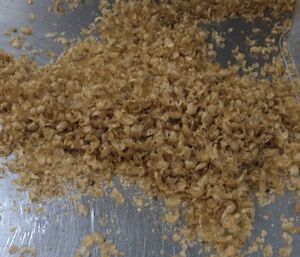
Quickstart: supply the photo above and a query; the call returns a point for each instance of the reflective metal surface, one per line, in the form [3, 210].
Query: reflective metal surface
[294, 38]
[137, 233]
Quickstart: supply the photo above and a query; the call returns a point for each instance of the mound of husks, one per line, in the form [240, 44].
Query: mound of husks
[146, 102]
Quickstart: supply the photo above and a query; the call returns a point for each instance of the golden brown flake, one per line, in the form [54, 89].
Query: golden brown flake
[268, 251]
[138, 202]
[117, 196]
[17, 42]
[82, 209]
[172, 217]
[13, 249]
[26, 251]
[285, 251]
[26, 30]
[173, 201]
[107, 248]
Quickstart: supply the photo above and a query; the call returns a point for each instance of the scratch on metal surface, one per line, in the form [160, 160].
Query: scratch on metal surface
[8, 244]
[23, 238]
[145, 241]
[58, 248]
[32, 232]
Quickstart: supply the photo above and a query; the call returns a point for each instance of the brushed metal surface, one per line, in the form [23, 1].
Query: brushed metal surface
[137, 233]
[294, 38]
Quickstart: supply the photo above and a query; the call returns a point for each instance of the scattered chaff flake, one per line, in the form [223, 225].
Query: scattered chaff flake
[10, 31]
[268, 251]
[119, 198]
[107, 248]
[26, 30]
[13, 249]
[51, 34]
[82, 209]
[17, 42]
